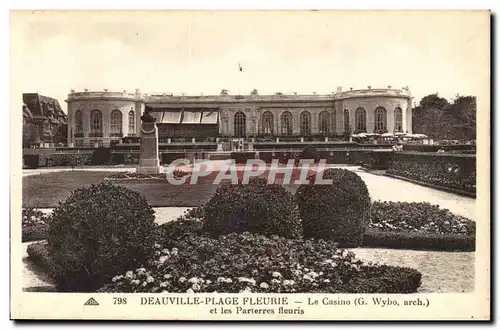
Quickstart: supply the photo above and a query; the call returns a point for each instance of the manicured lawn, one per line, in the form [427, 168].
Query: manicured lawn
[46, 190]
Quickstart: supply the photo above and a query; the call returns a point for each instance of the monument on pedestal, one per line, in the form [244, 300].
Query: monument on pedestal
[149, 162]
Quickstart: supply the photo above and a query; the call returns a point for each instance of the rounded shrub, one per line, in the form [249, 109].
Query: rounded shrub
[339, 211]
[98, 232]
[308, 153]
[101, 156]
[256, 207]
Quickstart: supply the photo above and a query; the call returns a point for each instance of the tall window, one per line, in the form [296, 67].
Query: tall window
[305, 123]
[380, 122]
[240, 124]
[131, 122]
[398, 120]
[96, 122]
[347, 126]
[324, 122]
[334, 121]
[116, 123]
[78, 122]
[286, 123]
[360, 118]
[268, 122]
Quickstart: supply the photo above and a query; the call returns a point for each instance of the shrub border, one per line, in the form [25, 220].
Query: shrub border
[374, 238]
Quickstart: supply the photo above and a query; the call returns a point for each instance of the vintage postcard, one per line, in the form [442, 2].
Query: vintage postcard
[250, 165]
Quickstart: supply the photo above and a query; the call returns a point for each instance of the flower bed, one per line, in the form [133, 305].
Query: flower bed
[449, 171]
[136, 176]
[419, 217]
[253, 263]
[418, 226]
[34, 225]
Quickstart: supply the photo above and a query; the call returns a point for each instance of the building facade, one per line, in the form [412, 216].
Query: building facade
[44, 122]
[105, 117]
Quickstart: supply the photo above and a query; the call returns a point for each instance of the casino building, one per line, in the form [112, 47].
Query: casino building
[104, 117]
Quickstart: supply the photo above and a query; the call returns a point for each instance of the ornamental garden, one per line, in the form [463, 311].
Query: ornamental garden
[257, 237]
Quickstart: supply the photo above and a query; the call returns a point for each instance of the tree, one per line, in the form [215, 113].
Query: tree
[428, 116]
[439, 119]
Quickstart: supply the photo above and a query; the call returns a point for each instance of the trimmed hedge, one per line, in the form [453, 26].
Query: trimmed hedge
[256, 207]
[310, 152]
[254, 263]
[98, 232]
[101, 156]
[38, 253]
[339, 211]
[418, 240]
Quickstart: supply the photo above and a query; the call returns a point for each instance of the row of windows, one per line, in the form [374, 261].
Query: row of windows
[96, 121]
[379, 123]
[325, 124]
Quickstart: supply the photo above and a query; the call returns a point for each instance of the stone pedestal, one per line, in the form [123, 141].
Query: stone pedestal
[219, 147]
[326, 138]
[301, 139]
[149, 162]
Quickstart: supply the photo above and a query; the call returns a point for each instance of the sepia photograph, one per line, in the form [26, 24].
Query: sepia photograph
[250, 164]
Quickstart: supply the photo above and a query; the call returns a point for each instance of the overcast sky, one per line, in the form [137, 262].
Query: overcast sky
[199, 52]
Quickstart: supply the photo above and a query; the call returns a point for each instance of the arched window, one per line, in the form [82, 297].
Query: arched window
[305, 123]
[360, 119]
[115, 123]
[380, 122]
[96, 122]
[286, 123]
[324, 122]
[240, 124]
[78, 122]
[398, 120]
[131, 122]
[268, 122]
[347, 126]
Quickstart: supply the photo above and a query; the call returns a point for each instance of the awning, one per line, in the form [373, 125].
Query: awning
[157, 115]
[191, 117]
[210, 117]
[171, 117]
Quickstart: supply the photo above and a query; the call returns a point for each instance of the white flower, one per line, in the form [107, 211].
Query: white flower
[136, 282]
[246, 290]
[276, 274]
[182, 279]
[150, 279]
[221, 279]
[115, 279]
[288, 282]
[162, 259]
[157, 246]
[326, 281]
[306, 270]
[209, 282]
[129, 274]
[167, 276]
[189, 290]
[165, 251]
[144, 283]
[164, 284]
[229, 280]
[193, 280]
[196, 287]
[275, 281]
[264, 285]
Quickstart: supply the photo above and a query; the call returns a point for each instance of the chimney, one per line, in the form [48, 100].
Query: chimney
[105, 89]
[369, 87]
[85, 90]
